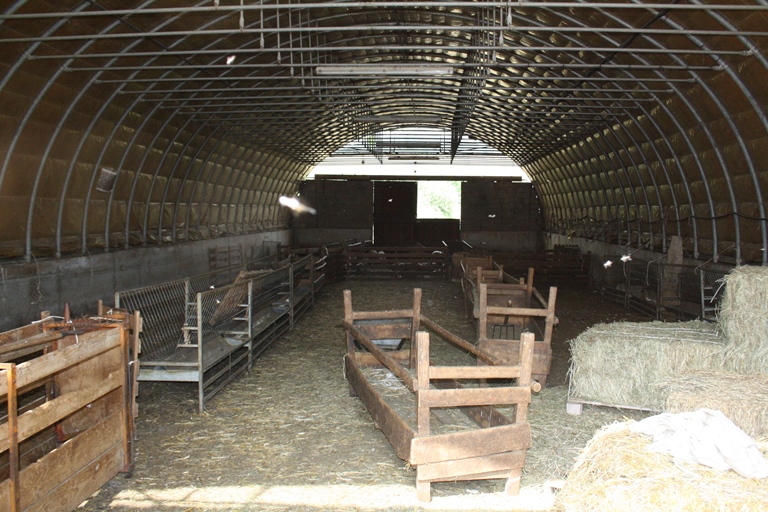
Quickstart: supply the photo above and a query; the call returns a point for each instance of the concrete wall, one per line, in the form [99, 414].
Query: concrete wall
[344, 211]
[501, 215]
[503, 241]
[322, 236]
[28, 288]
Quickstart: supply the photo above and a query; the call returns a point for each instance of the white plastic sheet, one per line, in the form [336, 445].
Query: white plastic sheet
[706, 437]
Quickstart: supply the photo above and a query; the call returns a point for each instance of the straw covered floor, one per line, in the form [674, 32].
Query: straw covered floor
[287, 435]
[616, 471]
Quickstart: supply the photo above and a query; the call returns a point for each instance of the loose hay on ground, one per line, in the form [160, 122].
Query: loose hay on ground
[625, 363]
[743, 319]
[617, 472]
[743, 398]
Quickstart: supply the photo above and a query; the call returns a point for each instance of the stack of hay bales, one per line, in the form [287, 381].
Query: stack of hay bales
[743, 319]
[616, 471]
[677, 367]
[638, 365]
[743, 398]
[625, 364]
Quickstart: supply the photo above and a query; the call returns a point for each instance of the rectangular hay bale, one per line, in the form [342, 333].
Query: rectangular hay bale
[627, 363]
[743, 398]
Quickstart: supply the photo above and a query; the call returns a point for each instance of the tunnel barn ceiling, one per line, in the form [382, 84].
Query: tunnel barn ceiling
[128, 123]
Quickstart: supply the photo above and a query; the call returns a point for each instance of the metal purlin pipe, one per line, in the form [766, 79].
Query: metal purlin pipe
[222, 152]
[27, 115]
[383, 5]
[596, 140]
[117, 126]
[759, 111]
[688, 143]
[385, 27]
[642, 185]
[717, 152]
[585, 162]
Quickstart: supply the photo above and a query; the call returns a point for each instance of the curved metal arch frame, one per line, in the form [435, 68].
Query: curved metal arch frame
[743, 87]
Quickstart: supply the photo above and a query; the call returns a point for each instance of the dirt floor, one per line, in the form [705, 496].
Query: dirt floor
[287, 435]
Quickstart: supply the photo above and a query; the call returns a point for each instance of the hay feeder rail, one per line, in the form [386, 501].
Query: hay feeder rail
[223, 329]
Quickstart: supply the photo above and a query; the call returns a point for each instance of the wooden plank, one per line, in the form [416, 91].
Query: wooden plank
[381, 315]
[484, 467]
[91, 344]
[495, 310]
[472, 443]
[386, 331]
[364, 359]
[14, 348]
[397, 431]
[459, 342]
[42, 478]
[83, 483]
[390, 363]
[474, 372]
[87, 375]
[483, 416]
[509, 352]
[37, 419]
[473, 396]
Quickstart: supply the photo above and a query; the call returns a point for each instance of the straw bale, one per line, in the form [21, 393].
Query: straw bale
[743, 398]
[616, 471]
[743, 319]
[626, 363]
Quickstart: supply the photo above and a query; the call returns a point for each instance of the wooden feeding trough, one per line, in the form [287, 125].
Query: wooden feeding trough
[504, 308]
[67, 390]
[500, 329]
[494, 447]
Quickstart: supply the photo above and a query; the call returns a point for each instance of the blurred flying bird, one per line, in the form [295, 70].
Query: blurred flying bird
[295, 205]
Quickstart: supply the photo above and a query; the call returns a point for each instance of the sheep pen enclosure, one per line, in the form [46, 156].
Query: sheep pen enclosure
[287, 435]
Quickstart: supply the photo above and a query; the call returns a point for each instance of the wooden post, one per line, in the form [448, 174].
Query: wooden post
[415, 325]
[529, 288]
[527, 341]
[125, 410]
[482, 320]
[13, 438]
[550, 318]
[350, 340]
[423, 488]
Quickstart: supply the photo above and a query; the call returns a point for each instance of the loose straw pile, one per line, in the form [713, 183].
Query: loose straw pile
[617, 472]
